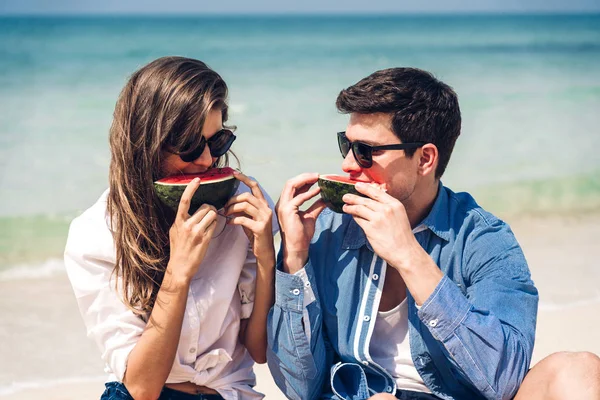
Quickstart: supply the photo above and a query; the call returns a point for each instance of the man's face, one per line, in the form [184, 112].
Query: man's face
[397, 173]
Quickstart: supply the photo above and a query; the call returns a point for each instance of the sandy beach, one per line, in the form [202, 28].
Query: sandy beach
[559, 249]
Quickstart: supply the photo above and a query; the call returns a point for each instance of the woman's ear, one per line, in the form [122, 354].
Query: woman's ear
[428, 160]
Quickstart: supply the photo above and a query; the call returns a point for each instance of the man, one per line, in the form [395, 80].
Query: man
[414, 292]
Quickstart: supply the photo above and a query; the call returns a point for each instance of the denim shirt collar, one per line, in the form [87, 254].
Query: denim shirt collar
[437, 221]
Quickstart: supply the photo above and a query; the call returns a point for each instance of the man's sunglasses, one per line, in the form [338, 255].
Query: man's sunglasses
[363, 153]
[218, 144]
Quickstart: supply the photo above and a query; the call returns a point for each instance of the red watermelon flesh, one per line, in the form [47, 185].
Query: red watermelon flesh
[217, 186]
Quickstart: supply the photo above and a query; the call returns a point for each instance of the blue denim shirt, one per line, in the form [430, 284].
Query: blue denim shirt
[471, 339]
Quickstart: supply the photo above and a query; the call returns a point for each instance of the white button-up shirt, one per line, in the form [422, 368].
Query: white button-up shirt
[220, 294]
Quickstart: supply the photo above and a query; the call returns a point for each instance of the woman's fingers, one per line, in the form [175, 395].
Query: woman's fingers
[246, 198]
[186, 199]
[201, 213]
[242, 208]
[248, 223]
[252, 184]
[208, 222]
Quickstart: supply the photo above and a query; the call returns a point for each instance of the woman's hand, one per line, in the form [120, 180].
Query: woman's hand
[251, 210]
[190, 235]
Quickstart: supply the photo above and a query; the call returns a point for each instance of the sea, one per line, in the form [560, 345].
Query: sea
[528, 86]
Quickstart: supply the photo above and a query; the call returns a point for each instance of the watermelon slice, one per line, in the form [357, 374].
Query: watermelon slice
[334, 187]
[217, 186]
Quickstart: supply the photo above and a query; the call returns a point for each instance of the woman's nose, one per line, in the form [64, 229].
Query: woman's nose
[205, 159]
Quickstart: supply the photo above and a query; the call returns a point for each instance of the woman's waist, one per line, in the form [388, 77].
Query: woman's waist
[191, 388]
[215, 368]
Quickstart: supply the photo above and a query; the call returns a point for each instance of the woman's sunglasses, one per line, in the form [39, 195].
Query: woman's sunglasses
[218, 144]
[363, 153]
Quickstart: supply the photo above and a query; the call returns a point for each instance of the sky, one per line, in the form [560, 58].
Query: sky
[281, 6]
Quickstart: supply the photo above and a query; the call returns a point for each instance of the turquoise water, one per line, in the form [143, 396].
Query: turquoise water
[529, 88]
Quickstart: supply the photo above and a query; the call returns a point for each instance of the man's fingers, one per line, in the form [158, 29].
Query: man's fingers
[353, 199]
[360, 211]
[304, 197]
[298, 182]
[315, 209]
[373, 192]
[186, 199]
[363, 223]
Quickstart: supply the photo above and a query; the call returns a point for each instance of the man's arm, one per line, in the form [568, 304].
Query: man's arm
[488, 332]
[298, 354]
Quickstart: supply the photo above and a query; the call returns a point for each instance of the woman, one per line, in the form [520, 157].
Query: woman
[176, 302]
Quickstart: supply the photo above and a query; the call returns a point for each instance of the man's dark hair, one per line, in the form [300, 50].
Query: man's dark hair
[423, 109]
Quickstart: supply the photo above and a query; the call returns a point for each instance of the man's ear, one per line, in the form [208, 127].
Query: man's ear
[428, 160]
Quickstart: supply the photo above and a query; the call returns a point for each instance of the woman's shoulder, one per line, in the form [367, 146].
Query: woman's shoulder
[93, 217]
[90, 233]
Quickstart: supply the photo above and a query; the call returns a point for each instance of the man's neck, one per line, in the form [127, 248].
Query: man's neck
[421, 202]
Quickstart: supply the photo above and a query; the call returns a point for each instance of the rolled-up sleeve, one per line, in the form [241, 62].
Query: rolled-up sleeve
[90, 261]
[247, 283]
[488, 330]
[298, 353]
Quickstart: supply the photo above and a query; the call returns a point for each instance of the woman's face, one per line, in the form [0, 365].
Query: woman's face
[174, 165]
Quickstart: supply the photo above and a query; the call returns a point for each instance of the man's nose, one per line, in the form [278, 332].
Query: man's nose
[349, 165]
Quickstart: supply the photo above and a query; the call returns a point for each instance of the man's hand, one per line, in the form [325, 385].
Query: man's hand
[385, 223]
[297, 227]
[383, 219]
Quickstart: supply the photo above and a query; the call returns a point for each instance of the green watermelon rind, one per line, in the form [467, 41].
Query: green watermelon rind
[333, 191]
[215, 193]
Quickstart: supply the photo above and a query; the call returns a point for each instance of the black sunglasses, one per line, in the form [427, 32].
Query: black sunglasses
[363, 153]
[218, 144]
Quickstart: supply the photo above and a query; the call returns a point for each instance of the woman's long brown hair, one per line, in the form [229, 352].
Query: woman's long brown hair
[163, 105]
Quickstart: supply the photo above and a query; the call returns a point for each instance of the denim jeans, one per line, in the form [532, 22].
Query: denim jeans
[410, 395]
[118, 391]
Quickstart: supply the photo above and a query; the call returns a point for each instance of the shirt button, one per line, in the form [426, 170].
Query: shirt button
[366, 318]
[296, 292]
[433, 323]
[375, 277]
[307, 284]
[193, 350]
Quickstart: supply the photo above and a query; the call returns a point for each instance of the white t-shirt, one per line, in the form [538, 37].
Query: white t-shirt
[390, 348]
[221, 293]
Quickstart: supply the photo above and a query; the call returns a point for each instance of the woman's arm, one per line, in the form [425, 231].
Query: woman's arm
[152, 358]
[253, 212]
